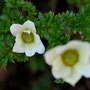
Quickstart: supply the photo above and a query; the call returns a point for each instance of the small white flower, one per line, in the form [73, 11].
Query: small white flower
[70, 62]
[26, 39]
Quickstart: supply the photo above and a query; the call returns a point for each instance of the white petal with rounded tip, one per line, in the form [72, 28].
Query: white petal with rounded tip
[39, 45]
[40, 48]
[29, 24]
[59, 70]
[15, 28]
[86, 70]
[50, 55]
[30, 50]
[73, 77]
[18, 48]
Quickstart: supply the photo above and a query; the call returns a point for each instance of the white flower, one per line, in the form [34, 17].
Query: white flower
[70, 62]
[26, 39]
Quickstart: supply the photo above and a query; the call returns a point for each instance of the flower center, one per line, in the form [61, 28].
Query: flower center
[70, 57]
[28, 38]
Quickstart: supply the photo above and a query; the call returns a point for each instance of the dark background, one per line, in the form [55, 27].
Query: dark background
[25, 76]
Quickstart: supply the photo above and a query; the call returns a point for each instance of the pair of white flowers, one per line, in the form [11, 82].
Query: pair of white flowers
[69, 62]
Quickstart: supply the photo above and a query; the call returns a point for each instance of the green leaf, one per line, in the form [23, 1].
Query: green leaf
[59, 81]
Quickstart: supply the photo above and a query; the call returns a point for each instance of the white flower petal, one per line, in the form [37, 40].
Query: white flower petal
[37, 38]
[85, 71]
[40, 48]
[30, 50]
[59, 70]
[73, 78]
[15, 28]
[19, 39]
[18, 48]
[78, 67]
[29, 24]
[39, 45]
[50, 55]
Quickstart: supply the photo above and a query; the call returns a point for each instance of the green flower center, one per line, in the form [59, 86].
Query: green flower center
[70, 57]
[28, 38]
